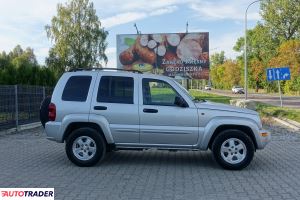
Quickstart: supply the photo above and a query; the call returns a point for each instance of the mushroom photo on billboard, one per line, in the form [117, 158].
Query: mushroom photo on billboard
[172, 54]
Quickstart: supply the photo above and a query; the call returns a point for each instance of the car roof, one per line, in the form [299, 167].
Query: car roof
[116, 72]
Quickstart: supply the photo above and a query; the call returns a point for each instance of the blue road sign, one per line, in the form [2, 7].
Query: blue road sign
[278, 74]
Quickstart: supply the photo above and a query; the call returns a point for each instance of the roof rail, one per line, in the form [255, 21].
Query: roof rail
[104, 68]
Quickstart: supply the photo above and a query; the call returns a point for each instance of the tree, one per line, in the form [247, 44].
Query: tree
[54, 63]
[260, 49]
[4, 60]
[225, 75]
[217, 74]
[79, 40]
[260, 44]
[289, 55]
[20, 67]
[257, 71]
[232, 75]
[17, 51]
[282, 18]
[217, 59]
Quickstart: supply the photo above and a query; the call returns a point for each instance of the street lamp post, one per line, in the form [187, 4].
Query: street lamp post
[245, 51]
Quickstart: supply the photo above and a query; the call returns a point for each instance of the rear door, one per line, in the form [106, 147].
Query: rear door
[115, 98]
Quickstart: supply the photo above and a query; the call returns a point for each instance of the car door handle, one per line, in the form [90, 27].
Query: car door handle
[149, 110]
[100, 108]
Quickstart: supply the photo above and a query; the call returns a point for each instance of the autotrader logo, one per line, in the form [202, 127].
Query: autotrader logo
[27, 193]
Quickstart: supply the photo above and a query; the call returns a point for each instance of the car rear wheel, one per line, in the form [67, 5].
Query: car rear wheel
[233, 149]
[85, 147]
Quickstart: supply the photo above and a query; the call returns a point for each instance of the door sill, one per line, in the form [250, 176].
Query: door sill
[135, 146]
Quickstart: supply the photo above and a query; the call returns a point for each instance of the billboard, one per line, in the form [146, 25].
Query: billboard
[180, 55]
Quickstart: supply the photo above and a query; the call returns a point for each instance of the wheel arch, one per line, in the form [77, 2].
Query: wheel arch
[246, 129]
[76, 125]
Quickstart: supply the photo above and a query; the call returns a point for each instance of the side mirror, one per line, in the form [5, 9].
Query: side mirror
[179, 101]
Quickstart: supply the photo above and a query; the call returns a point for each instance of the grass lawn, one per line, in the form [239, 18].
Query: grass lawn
[210, 97]
[275, 111]
[263, 109]
[159, 95]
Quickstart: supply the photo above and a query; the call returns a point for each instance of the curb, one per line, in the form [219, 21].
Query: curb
[21, 128]
[289, 123]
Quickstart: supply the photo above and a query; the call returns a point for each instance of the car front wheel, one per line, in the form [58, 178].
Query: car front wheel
[233, 149]
[85, 147]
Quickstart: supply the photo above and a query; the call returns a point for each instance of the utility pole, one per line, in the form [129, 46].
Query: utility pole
[245, 51]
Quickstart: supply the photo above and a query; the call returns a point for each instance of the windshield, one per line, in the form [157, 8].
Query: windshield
[184, 90]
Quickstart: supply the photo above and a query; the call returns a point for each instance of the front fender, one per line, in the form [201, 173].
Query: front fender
[214, 123]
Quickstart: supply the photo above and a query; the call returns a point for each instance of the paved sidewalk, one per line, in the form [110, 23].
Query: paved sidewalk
[28, 159]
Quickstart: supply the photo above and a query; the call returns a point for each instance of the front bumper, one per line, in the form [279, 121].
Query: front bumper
[265, 138]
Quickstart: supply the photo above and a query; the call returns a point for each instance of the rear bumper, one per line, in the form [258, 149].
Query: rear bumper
[53, 132]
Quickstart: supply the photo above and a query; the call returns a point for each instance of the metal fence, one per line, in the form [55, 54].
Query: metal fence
[20, 104]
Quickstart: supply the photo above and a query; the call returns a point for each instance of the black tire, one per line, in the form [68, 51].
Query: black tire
[44, 110]
[233, 134]
[100, 146]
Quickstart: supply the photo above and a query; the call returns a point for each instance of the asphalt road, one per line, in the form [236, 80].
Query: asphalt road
[28, 159]
[288, 101]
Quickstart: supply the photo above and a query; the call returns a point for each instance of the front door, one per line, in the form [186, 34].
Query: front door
[161, 121]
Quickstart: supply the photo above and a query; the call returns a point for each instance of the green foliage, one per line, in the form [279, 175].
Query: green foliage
[217, 59]
[79, 40]
[260, 44]
[282, 18]
[20, 67]
[288, 54]
[273, 43]
[226, 75]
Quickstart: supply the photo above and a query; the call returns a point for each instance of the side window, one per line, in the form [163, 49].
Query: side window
[116, 89]
[76, 88]
[157, 92]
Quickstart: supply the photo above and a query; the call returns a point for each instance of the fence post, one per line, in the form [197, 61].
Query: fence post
[44, 93]
[16, 108]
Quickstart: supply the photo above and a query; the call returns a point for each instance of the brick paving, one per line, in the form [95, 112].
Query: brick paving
[28, 159]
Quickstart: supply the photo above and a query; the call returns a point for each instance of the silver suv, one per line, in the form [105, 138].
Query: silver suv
[101, 110]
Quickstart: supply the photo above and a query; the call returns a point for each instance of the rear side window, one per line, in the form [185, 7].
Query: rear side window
[115, 89]
[77, 88]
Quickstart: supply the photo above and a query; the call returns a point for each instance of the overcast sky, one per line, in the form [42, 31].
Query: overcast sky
[23, 22]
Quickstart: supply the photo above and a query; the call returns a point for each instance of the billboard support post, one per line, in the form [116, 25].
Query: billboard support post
[137, 30]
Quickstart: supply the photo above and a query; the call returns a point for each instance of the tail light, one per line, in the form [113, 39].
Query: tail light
[52, 112]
